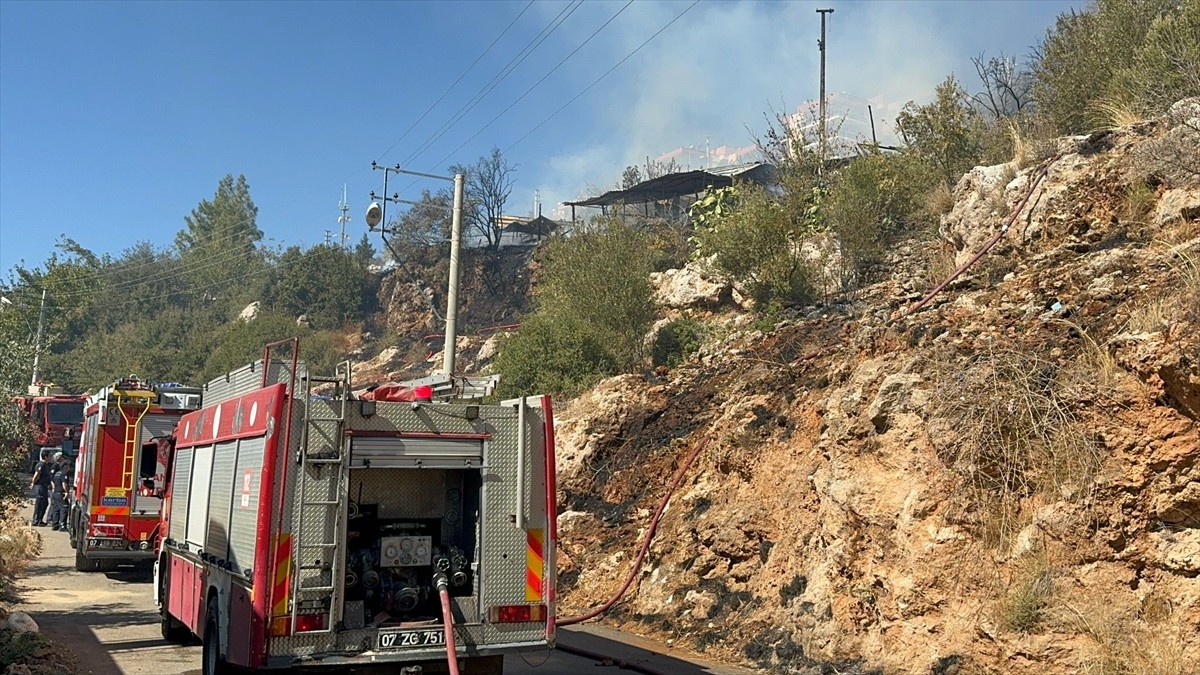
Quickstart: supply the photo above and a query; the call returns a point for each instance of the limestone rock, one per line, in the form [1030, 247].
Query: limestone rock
[250, 313]
[689, 287]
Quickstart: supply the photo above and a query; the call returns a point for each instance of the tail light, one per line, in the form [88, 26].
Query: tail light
[516, 613]
[281, 626]
[309, 622]
[107, 530]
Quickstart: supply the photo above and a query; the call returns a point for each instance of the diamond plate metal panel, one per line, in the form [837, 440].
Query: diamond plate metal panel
[245, 498]
[179, 495]
[502, 546]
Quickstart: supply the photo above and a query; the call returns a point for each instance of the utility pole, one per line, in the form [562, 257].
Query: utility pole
[459, 181]
[37, 350]
[821, 45]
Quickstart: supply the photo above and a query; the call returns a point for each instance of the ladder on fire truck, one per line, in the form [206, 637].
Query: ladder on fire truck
[129, 392]
[320, 485]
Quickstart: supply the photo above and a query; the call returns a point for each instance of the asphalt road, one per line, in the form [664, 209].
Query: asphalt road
[110, 622]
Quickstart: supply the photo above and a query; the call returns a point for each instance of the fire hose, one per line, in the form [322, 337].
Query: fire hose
[1033, 183]
[646, 540]
[443, 586]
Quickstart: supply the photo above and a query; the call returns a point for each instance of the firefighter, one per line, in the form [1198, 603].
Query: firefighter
[57, 517]
[40, 483]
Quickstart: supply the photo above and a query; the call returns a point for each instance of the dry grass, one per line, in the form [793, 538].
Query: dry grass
[1112, 113]
[1019, 436]
[938, 201]
[1179, 301]
[939, 264]
[18, 545]
[1151, 641]
[1138, 203]
[1023, 608]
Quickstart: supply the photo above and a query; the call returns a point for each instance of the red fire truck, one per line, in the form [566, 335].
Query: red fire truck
[118, 476]
[331, 531]
[54, 418]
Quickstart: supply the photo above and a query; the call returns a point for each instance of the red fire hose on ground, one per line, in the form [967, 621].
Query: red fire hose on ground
[443, 587]
[1033, 183]
[646, 540]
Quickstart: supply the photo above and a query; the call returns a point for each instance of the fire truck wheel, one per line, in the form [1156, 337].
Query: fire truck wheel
[213, 662]
[82, 563]
[172, 631]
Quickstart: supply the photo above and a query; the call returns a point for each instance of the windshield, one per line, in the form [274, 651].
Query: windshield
[64, 413]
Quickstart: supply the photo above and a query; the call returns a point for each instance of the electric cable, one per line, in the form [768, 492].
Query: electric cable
[606, 74]
[535, 84]
[455, 83]
[517, 60]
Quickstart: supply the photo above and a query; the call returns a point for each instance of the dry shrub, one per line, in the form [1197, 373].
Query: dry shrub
[1023, 607]
[939, 263]
[18, 544]
[1152, 641]
[938, 201]
[1178, 302]
[1137, 203]
[1017, 435]
[1187, 267]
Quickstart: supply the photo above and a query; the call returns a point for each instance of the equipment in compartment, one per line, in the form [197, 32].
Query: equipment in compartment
[392, 565]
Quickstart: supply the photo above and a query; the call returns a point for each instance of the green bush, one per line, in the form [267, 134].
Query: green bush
[602, 279]
[676, 341]
[946, 133]
[758, 245]
[1166, 66]
[1138, 54]
[554, 355]
[874, 201]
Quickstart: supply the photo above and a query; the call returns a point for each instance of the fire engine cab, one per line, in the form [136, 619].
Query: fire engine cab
[118, 474]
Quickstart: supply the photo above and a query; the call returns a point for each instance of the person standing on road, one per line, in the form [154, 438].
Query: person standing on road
[57, 516]
[42, 473]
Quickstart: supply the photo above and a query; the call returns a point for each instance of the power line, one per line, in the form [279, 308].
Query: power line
[606, 74]
[517, 60]
[535, 84]
[455, 83]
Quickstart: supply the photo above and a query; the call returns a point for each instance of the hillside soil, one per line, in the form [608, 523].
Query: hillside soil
[1005, 481]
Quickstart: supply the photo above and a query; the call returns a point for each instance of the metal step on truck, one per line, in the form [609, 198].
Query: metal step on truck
[311, 531]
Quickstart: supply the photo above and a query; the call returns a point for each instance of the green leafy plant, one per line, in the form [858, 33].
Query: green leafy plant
[676, 341]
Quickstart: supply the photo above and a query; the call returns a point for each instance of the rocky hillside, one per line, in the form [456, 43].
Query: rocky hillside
[1004, 481]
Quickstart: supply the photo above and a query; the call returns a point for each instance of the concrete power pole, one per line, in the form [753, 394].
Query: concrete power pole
[37, 350]
[821, 45]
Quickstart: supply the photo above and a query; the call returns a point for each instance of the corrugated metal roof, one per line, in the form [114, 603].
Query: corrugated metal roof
[677, 184]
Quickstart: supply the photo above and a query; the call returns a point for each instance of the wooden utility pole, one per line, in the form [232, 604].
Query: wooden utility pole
[821, 45]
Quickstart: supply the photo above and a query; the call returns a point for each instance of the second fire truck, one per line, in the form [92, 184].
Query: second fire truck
[54, 419]
[118, 475]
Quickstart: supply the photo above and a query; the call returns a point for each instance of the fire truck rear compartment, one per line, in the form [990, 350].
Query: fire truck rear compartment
[404, 527]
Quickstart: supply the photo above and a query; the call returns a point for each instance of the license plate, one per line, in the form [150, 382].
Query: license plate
[411, 639]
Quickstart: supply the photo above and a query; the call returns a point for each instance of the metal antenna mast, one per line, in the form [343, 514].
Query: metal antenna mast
[821, 45]
[344, 207]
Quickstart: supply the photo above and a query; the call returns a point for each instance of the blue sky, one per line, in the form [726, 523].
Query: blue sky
[116, 119]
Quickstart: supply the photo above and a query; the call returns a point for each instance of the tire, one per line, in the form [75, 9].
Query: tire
[83, 563]
[212, 661]
[172, 630]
